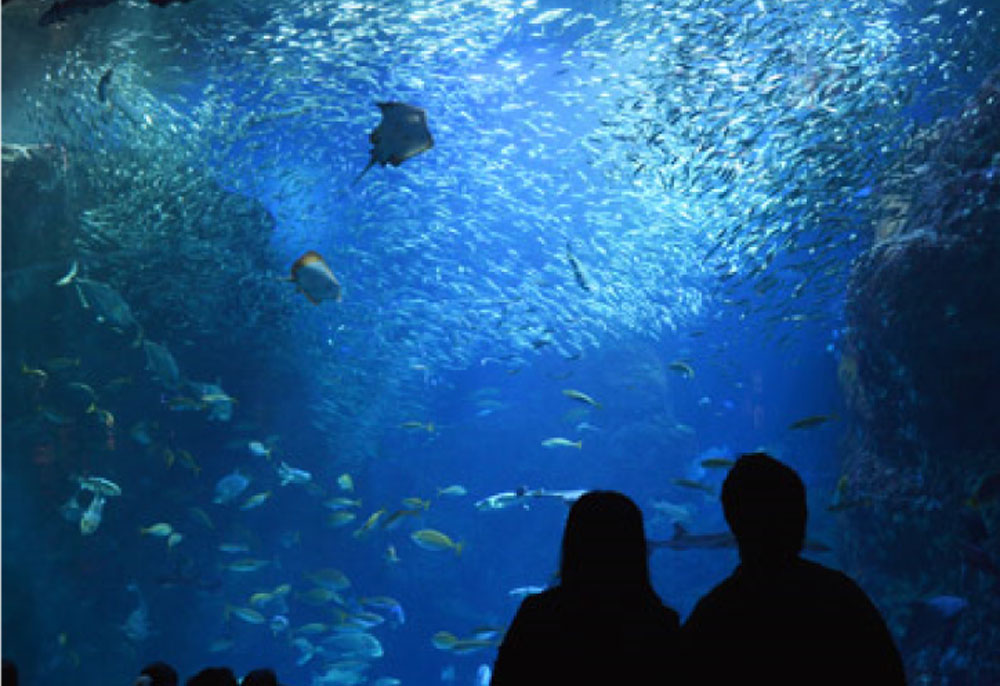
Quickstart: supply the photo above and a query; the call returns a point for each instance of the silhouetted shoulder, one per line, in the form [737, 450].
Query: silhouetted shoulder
[564, 637]
[781, 623]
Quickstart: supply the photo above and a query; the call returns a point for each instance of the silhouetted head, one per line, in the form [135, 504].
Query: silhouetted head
[260, 677]
[213, 676]
[765, 506]
[157, 674]
[604, 543]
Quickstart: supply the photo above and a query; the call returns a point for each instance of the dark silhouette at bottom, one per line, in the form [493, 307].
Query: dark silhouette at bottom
[260, 677]
[9, 673]
[603, 623]
[780, 619]
[157, 674]
[213, 676]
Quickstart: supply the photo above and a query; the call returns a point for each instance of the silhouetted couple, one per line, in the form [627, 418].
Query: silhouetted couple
[162, 674]
[778, 619]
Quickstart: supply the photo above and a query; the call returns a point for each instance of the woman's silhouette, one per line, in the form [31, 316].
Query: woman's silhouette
[603, 622]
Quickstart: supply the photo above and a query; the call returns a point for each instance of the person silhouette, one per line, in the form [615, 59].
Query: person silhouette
[780, 619]
[265, 676]
[157, 674]
[603, 623]
[213, 676]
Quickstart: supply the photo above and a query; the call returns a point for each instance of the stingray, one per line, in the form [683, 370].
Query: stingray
[401, 134]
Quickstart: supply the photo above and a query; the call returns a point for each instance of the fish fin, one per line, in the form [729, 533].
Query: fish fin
[458, 547]
[679, 531]
[309, 297]
[371, 163]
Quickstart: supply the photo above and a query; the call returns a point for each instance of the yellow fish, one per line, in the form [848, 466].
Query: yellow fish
[453, 490]
[319, 596]
[261, 598]
[435, 541]
[682, 368]
[187, 459]
[444, 640]
[330, 578]
[369, 524]
[413, 424]
[256, 500]
[345, 482]
[694, 485]
[202, 517]
[40, 374]
[336, 503]
[160, 529]
[812, 421]
[340, 518]
[246, 565]
[470, 645]
[396, 518]
[581, 396]
[562, 443]
[246, 614]
[417, 503]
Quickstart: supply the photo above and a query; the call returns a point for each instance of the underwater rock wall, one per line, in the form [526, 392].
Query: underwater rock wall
[919, 496]
[921, 364]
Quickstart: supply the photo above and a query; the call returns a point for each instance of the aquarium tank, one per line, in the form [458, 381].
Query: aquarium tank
[318, 314]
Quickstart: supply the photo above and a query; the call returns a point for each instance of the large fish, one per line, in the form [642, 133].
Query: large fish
[313, 276]
[401, 134]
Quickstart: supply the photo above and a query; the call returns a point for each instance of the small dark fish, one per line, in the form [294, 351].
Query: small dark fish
[682, 368]
[694, 485]
[812, 421]
[104, 84]
[578, 274]
[717, 463]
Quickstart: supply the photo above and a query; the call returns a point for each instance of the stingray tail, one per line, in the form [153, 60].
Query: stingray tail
[371, 163]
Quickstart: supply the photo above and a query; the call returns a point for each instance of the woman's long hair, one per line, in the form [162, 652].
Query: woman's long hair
[604, 544]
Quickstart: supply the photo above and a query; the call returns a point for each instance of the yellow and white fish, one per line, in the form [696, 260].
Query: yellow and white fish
[91, 518]
[345, 482]
[160, 529]
[313, 276]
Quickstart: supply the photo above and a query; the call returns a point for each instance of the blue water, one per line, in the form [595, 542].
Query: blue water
[721, 236]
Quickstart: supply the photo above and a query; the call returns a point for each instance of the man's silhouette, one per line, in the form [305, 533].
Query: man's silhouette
[603, 623]
[779, 619]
